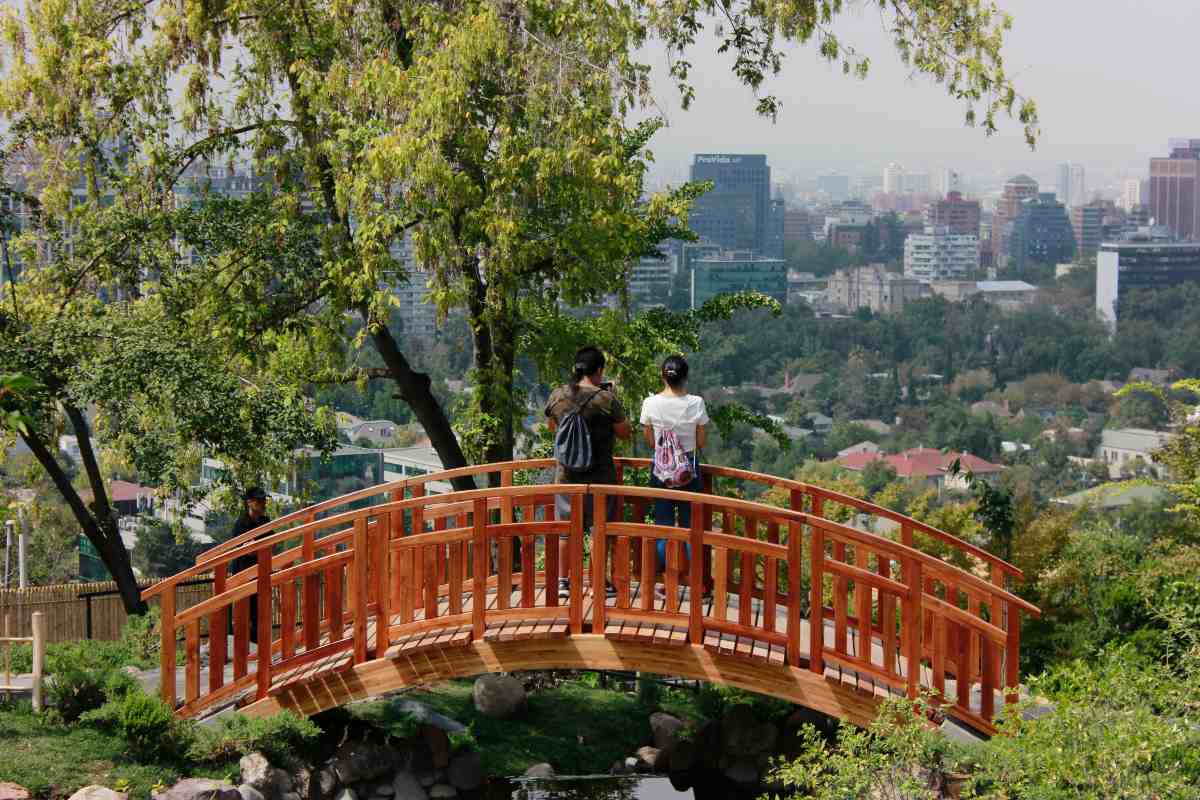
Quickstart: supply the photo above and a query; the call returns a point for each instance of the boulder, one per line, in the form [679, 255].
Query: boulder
[199, 789]
[383, 790]
[355, 762]
[248, 792]
[465, 771]
[323, 785]
[665, 729]
[347, 794]
[622, 767]
[651, 759]
[427, 778]
[499, 696]
[406, 787]
[744, 735]
[93, 792]
[743, 772]
[682, 757]
[270, 781]
[442, 791]
[15, 791]
[421, 713]
[302, 783]
[542, 770]
[439, 745]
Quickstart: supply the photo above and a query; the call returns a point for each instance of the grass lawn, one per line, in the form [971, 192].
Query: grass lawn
[54, 761]
[577, 728]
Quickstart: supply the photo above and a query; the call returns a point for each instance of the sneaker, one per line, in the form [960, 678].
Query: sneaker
[609, 589]
[660, 592]
[564, 589]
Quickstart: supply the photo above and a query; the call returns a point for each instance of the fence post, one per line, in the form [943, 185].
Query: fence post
[816, 610]
[166, 659]
[38, 622]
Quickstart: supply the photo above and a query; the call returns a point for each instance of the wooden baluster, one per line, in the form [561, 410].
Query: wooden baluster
[863, 601]
[382, 559]
[906, 534]
[707, 481]
[911, 613]
[553, 569]
[241, 637]
[746, 562]
[416, 576]
[770, 592]
[360, 587]
[575, 556]
[816, 604]
[396, 531]
[191, 681]
[430, 583]
[700, 513]
[671, 576]
[599, 555]
[287, 619]
[648, 572]
[1002, 615]
[973, 669]
[311, 611]
[954, 632]
[621, 571]
[795, 556]
[263, 581]
[166, 652]
[987, 689]
[439, 556]
[728, 527]
[333, 603]
[479, 553]
[504, 560]
[455, 589]
[218, 624]
[841, 600]
[887, 616]
[937, 660]
[1012, 656]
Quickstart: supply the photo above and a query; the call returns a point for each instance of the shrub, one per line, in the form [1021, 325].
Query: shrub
[149, 727]
[280, 737]
[75, 690]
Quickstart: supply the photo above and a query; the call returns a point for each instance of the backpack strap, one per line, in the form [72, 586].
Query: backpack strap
[579, 408]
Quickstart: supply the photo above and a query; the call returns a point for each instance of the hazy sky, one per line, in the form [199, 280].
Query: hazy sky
[1113, 80]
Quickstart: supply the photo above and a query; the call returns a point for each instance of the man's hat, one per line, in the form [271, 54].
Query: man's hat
[255, 493]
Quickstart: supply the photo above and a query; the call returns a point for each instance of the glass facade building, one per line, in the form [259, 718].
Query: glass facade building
[1041, 234]
[1124, 266]
[738, 272]
[736, 213]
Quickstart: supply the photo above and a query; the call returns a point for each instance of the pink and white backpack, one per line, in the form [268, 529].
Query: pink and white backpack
[671, 463]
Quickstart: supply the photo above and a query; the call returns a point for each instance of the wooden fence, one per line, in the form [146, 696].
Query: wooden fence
[66, 612]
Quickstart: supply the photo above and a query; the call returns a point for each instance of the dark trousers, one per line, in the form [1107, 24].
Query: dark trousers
[666, 511]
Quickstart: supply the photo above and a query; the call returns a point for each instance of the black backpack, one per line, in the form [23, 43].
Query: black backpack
[573, 439]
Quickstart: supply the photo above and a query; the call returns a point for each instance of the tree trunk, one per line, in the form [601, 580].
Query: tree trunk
[415, 390]
[107, 542]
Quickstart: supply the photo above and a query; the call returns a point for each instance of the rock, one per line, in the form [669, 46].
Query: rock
[651, 759]
[355, 762]
[15, 791]
[269, 781]
[384, 790]
[423, 714]
[93, 792]
[682, 757]
[621, 768]
[442, 790]
[465, 771]
[291, 796]
[323, 786]
[743, 735]
[631, 763]
[499, 696]
[407, 787]
[199, 789]
[542, 770]
[665, 729]
[302, 783]
[347, 794]
[427, 779]
[132, 672]
[742, 772]
[248, 792]
[439, 745]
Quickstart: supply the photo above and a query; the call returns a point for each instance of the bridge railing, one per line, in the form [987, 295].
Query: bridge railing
[337, 584]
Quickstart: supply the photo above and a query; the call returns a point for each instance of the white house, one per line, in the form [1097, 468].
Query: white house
[1123, 448]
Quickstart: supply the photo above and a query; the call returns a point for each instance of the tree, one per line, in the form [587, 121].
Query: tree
[161, 551]
[877, 475]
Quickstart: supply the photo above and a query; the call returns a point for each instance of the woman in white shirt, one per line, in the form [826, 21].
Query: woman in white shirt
[676, 410]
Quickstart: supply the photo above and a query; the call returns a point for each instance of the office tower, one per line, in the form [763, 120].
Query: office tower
[948, 181]
[1141, 263]
[1072, 185]
[776, 222]
[893, 178]
[916, 183]
[1087, 223]
[1131, 193]
[1041, 233]
[938, 254]
[955, 213]
[736, 272]
[1174, 190]
[797, 226]
[736, 213]
[1016, 190]
[835, 185]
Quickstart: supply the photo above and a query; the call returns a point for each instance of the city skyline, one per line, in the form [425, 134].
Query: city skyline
[831, 122]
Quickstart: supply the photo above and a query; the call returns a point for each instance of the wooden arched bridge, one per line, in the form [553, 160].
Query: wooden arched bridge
[392, 586]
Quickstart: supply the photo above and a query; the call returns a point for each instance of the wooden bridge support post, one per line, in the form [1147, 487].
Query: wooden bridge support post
[599, 551]
[912, 614]
[794, 619]
[479, 568]
[816, 610]
[360, 587]
[218, 625]
[166, 652]
[700, 512]
[575, 560]
[263, 585]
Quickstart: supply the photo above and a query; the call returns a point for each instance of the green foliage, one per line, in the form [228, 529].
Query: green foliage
[74, 690]
[280, 737]
[150, 728]
[649, 691]
[715, 699]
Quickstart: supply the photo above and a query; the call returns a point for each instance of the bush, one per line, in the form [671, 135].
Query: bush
[75, 690]
[280, 738]
[149, 727]
[715, 699]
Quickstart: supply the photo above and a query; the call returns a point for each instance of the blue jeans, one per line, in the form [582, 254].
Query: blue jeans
[665, 511]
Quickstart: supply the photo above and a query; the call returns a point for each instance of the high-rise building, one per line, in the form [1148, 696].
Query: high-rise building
[737, 271]
[1131, 193]
[1087, 223]
[937, 254]
[1072, 184]
[1175, 189]
[916, 183]
[736, 213]
[1141, 264]
[650, 280]
[776, 222]
[835, 185]
[1016, 191]
[893, 178]
[1041, 234]
[875, 288]
[954, 212]
[797, 226]
[948, 180]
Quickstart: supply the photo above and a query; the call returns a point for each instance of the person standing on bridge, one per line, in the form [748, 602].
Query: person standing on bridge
[591, 397]
[254, 514]
[674, 426]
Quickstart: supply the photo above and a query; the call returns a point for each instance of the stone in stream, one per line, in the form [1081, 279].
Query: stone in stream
[498, 696]
[384, 790]
[199, 789]
[542, 770]
[355, 762]
[347, 794]
[423, 714]
[622, 767]
[665, 729]
[269, 781]
[650, 759]
[324, 785]
[744, 735]
[465, 771]
[248, 792]
[93, 792]
[407, 787]
[15, 791]
[439, 745]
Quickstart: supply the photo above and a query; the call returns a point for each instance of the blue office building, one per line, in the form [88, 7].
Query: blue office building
[737, 214]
